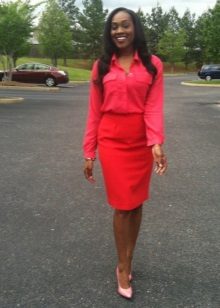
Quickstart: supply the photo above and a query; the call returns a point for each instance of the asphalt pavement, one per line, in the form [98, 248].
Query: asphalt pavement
[56, 242]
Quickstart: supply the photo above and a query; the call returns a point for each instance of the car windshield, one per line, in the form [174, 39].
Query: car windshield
[211, 67]
[206, 67]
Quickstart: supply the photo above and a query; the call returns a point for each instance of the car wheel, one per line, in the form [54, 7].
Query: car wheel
[50, 82]
[208, 78]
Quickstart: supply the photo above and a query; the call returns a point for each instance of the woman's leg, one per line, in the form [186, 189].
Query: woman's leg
[126, 227]
[134, 227]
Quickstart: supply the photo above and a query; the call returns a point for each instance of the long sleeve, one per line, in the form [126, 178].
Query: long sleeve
[93, 117]
[153, 113]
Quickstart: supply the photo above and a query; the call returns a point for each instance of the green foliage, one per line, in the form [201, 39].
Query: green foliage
[156, 24]
[188, 24]
[204, 82]
[143, 17]
[214, 38]
[54, 32]
[70, 9]
[201, 32]
[208, 35]
[72, 12]
[173, 20]
[78, 69]
[91, 24]
[171, 46]
[15, 29]
[64, 31]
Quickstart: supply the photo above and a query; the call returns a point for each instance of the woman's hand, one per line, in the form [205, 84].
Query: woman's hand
[88, 170]
[160, 159]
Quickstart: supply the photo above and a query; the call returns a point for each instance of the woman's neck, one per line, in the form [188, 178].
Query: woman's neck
[126, 53]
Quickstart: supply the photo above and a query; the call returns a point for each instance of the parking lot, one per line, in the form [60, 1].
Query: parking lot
[56, 243]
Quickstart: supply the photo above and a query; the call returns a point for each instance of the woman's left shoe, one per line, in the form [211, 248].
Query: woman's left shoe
[127, 293]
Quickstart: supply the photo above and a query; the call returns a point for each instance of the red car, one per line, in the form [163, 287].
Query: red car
[38, 73]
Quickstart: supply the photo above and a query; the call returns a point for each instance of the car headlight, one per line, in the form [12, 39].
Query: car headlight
[62, 73]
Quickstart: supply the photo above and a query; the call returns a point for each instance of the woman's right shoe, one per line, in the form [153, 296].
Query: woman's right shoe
[127, 293]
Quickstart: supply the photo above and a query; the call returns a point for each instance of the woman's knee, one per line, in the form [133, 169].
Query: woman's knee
[122, 214]
[137, 210]
[125, 214]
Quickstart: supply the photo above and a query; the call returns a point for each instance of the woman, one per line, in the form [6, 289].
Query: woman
[125, 121]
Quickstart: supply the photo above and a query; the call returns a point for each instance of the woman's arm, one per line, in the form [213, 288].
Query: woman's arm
[153, 114]
[94, 115]
[93, 120]
[154, 118]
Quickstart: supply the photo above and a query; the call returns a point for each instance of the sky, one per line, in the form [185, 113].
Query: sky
[195, 6]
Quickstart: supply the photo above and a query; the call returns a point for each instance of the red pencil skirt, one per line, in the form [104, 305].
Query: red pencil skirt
[125, 159]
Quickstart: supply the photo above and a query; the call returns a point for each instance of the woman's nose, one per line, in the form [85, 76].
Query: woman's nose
[119, 30]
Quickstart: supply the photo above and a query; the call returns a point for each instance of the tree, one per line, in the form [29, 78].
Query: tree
[72, 12]
[54, 32]
[173, 20]
[201, 33]
[188, 24]
[214, 38]
[171, 46]
[23, 50]
[91, 22]
[156, 24]
[208, 35]
[16, 19]
[70, 9]
[142, 17]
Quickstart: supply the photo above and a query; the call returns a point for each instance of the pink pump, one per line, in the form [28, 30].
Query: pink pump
[127, 293]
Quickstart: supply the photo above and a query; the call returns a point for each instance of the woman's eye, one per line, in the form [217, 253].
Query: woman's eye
[114, 27]
[125, 25]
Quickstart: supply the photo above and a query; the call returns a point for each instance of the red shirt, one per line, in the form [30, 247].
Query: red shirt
[123, 93]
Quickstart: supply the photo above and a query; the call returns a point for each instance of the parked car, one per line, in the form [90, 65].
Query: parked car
[37, 73]
[209, 71]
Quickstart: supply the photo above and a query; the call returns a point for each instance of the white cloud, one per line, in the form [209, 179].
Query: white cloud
[195, 6]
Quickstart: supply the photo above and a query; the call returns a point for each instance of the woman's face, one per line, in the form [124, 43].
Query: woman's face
[122, 30]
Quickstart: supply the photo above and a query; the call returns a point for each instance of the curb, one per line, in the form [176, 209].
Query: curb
[40, 88]
[30, 88]
[11, 100]
[200, 85]
[79, 82]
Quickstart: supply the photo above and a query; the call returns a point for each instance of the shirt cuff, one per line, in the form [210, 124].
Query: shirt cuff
[155, 141]
[89, 155]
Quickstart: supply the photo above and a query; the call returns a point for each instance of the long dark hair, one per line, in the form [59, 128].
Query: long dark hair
[140, 45]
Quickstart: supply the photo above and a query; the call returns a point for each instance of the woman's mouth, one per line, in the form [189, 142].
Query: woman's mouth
[120, 38]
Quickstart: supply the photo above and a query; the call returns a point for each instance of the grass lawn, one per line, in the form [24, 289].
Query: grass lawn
[76, 74]
[78, 63]
[201, 81]
[78, 69]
